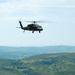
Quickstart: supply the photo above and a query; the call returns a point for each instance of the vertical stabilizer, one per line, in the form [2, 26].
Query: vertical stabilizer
[21, 24]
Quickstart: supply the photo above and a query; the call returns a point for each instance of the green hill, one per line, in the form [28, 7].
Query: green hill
[44, 64]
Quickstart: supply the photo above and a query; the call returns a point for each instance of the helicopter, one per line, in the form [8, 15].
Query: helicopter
[31, 27]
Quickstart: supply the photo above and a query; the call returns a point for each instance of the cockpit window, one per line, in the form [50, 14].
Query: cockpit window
[39, 27]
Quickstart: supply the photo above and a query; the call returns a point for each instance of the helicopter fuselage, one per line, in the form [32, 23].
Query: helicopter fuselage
[31, 27]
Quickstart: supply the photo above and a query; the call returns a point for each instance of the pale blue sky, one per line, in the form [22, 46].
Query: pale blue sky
[61, 32]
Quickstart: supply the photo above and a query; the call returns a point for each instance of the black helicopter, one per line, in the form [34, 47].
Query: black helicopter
[31, 27]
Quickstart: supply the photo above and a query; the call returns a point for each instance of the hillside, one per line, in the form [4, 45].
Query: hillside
[44, 64]
[22, 52]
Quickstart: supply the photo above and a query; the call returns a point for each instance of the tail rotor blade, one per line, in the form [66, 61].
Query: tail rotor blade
[18, 27]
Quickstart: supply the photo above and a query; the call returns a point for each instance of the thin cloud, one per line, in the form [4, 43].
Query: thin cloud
[38, 3]
[10, 8]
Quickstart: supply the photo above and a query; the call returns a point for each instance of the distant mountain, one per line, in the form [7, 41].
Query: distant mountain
[22, 52]
[43, 64]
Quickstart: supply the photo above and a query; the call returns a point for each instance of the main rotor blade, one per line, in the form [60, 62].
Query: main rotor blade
[41, 21]
[49, 21]
[34, 21]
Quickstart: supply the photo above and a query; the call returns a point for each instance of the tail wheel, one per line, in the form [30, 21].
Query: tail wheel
[23, 31]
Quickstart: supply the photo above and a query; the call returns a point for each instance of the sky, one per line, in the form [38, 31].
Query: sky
[60, 32]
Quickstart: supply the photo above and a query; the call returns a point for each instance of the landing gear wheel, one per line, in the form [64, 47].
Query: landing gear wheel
[39, 31]
[32, 31]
